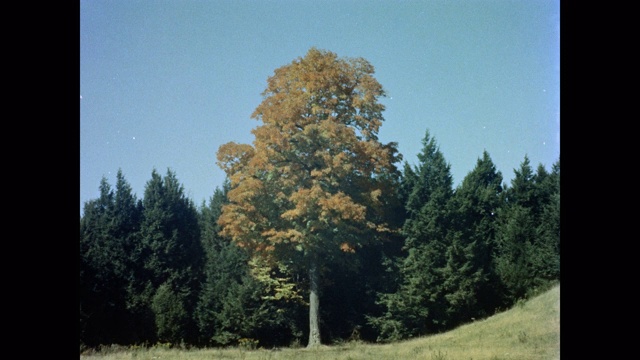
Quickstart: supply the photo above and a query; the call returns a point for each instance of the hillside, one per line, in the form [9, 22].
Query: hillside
[529, 330]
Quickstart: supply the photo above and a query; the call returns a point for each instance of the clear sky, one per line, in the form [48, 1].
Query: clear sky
[164, 83]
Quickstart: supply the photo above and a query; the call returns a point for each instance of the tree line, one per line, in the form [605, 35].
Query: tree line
[315, 231]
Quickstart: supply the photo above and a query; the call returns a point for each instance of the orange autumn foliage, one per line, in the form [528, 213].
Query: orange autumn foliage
[312, 175]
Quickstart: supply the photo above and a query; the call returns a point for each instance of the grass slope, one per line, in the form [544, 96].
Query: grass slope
[530, 330]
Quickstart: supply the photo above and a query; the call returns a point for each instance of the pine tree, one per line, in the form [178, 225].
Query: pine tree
[546, 261]
[470, 279]
[514, 246]
[419, 306]
[108, 232]
[528, 236]
[172, 256]
[98, 279]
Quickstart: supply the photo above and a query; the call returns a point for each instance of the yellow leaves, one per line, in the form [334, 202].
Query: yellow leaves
[345, 247]
[305, 201]
[319, 85]
[248, 188]
[341, 207]
[271, 234]
[375, 195]
[313, 155]
[316, 173]
[287, 236]
[342, 163]
[273, 275]
[317, 205]
[233, 157]
[234, 222]
[294, 236]
[381, 228]
[241, 219]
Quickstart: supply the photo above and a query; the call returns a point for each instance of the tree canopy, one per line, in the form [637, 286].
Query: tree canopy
[315, 210]
[310, 185]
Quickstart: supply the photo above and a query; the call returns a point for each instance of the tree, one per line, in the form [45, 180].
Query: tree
[170, 313]
[172, 255]
[99, 279]
[470, 278]
[548, 231]
[108, 233]
[515, 251]
[209, 215]
[528, 236]
[310, 185]
[231, 304]
[419, 304]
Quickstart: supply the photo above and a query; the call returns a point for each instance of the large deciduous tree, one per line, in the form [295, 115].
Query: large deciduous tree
[310, 186]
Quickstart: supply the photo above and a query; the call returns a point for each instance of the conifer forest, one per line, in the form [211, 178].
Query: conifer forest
[320, 233]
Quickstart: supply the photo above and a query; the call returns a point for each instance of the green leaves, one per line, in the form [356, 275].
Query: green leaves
[320, 118]
[170, 314]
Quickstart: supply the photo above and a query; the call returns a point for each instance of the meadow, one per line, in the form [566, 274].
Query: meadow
[530, 330]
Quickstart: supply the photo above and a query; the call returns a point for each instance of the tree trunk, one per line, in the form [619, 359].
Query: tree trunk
[314, 306]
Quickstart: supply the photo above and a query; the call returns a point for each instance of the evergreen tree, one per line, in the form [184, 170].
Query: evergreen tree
[231, 304]
[470, 279]
[350, 294]
[404, 187]
[529, 233]
[419, 306]
[172, 256]
[209, 215]
[98, 278]
[514, 246]
[522, 190]
[168, 305]
[107, 235]
[126, 218]
[546, 260]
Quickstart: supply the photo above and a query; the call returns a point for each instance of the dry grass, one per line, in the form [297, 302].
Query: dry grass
[528, 331]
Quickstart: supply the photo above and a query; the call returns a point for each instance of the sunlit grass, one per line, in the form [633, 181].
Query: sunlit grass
[528, 331]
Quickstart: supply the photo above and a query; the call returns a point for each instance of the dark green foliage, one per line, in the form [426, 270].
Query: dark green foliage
[225, 271]
[515, 249]
[157, 269]
[419, 305]
[472, 250]
[96, 281]
[170, 232]
[231, 304]
[170, 245]
[528, 238]
[128, 250]
[547, 256]
[470, 279]
[107, 234]
[350, 295]
[211, 240]
[168, 307]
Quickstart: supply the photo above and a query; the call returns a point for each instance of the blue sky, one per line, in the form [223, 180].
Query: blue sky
[164, 83]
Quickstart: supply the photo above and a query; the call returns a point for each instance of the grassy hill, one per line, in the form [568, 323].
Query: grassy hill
[530, 330]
